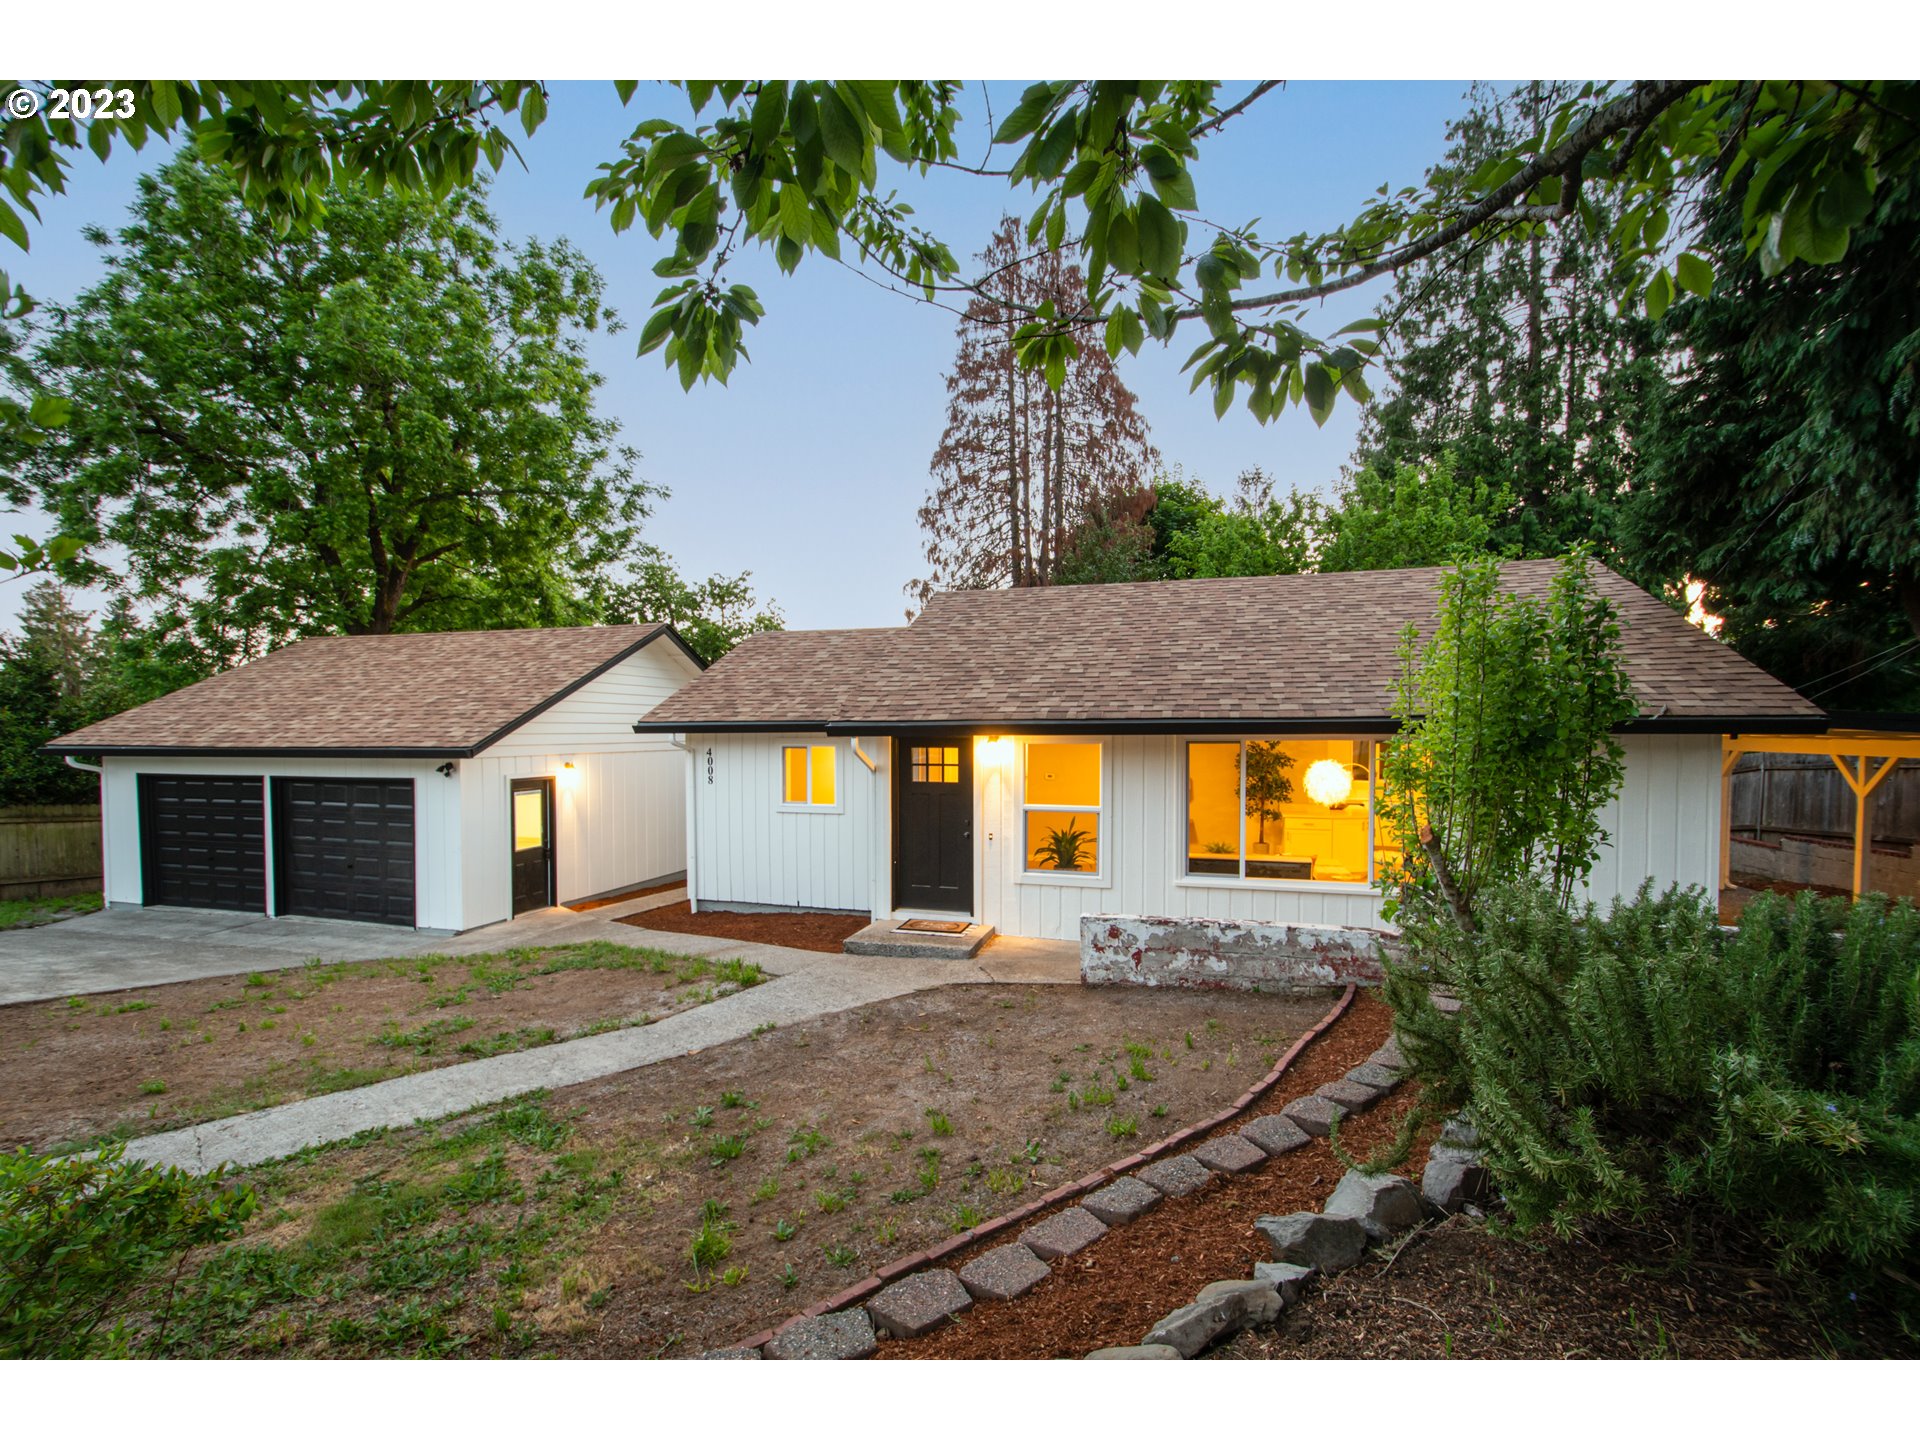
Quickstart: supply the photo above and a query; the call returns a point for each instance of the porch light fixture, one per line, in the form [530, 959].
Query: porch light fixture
[1329, 782]
[446, 769]
[995, 750]
[568, 775]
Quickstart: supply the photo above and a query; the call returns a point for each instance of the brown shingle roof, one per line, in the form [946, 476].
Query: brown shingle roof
[1279, 649]
[450, 693]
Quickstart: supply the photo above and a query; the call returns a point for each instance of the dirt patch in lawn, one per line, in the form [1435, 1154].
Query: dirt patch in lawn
[135, 1061]
[802, 929]
[1112, 1292]
[801, 1159]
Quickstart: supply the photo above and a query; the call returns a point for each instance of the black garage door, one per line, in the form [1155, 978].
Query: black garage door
[203, 841]
[345, 849]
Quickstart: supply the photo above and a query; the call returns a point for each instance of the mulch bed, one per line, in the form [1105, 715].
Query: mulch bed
[605, 900]
[823, 930]
[1112, 1292]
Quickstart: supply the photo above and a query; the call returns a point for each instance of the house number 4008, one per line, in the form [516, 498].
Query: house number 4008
[709, 765]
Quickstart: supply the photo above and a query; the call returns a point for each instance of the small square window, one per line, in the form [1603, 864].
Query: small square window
[933, 764]
[807, 775]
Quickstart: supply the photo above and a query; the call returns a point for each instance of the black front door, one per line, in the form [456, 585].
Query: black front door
[532, 844]
[933, 825]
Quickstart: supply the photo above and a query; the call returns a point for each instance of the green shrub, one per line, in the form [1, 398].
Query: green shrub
[1621, 1063]
[83, 1240]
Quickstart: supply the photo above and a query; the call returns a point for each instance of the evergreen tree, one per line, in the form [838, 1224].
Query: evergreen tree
[1515, 358]
[1784, 468]
[1022, 464]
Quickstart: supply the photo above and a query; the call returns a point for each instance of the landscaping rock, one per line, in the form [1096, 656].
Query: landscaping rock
[1325, 1242]
[1224, 1307]
[1347, 1095]
[1385, 1205]
[1137, 1352]
[1388, 1056]
[1231, 1154]
[1067, 1233]
[1454, 1179]
[1289, 1280]
[1005, 1273]
[1314, 1114]
[1374, 1077]
[847, 1335]
[1122, 1202]
[919, 1303]
[1275, 1134]
[1180, 1175]
[1446, 1004]
[731, 1352]
[1460, 1131]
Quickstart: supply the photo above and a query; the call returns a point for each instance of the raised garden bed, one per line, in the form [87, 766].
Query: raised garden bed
[135, 1061]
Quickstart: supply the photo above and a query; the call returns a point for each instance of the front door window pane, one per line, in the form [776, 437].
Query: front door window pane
[529, 820]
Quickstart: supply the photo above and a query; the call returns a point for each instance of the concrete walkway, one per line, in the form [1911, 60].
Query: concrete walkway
[807, 983]
[123, 948]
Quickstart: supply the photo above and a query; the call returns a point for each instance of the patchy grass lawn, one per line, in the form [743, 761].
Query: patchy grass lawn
[25, 914]
[156, 1058]
[680, 1206]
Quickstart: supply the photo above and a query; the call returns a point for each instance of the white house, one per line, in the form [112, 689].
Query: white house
[439, 781]
[1199, 748]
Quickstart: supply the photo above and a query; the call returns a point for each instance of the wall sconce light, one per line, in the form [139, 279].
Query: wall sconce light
[569, 777]
[1330, 783]
[994, 750]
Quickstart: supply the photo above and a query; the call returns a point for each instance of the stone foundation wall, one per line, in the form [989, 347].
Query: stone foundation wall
[1227, 954]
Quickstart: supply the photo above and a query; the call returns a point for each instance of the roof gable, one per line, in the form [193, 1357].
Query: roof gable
[448, 693]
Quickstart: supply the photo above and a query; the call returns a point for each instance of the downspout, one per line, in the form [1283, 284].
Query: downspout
[82, 765]
[679, 742]
[861, 756]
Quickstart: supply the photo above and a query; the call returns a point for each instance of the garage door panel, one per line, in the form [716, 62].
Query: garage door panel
[203, 841]
[346, 849]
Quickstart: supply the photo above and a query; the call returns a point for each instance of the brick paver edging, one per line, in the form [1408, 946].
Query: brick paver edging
[1085, 1185]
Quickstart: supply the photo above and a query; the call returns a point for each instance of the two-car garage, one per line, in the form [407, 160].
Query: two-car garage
[440, 781]
[340, 848]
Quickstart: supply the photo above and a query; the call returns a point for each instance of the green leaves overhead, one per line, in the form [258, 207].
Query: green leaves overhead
[808, 167]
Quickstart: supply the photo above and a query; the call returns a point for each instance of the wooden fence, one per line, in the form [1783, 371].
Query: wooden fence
[1804, 795]
[49, 850]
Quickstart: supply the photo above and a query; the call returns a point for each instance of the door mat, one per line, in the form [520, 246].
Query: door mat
[937, 927]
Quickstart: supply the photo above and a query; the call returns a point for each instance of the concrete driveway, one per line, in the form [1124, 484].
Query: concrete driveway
[121, 948]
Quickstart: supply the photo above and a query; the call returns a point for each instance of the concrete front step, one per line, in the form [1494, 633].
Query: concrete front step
[886, 937]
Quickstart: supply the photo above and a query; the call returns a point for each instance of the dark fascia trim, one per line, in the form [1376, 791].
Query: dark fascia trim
[1882, 722]
[1244, 725]
[375, 752]
[264, 752]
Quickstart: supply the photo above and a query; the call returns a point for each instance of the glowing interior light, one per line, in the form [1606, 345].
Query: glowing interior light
[1329, 782]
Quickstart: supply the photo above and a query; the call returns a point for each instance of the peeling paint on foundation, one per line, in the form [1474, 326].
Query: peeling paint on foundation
[1159, 950]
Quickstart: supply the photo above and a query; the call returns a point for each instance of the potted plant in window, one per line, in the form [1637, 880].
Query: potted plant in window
[1065, 848]
[1268, 788]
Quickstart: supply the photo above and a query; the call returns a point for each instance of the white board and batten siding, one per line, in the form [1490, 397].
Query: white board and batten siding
[747, 848]
[618, 817]
[750, 849]
[436, 818]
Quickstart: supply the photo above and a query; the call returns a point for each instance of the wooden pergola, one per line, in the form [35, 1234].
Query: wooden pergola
[1863, 756]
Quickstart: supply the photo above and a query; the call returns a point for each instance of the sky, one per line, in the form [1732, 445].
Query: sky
[808, 467]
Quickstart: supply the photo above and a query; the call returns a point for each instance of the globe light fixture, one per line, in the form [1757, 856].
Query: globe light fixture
[1329, 782]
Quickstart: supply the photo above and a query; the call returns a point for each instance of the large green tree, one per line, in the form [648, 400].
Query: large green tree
[383, 422]
[1784, 468]
[1515, 358]
[817, 167]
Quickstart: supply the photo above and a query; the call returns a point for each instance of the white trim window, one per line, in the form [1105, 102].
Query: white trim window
[1288, 810]
[1063, 814]
[810, 777]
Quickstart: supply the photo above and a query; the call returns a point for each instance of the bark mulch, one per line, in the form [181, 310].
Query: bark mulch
[823, 930]
[1112, 1292]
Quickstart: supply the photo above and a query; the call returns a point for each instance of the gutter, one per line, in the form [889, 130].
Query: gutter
[1658, 723]
[82, 765]
[679, 742]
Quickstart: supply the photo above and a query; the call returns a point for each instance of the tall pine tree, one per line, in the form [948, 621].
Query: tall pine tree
[1022, 465]
[1514, 358]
